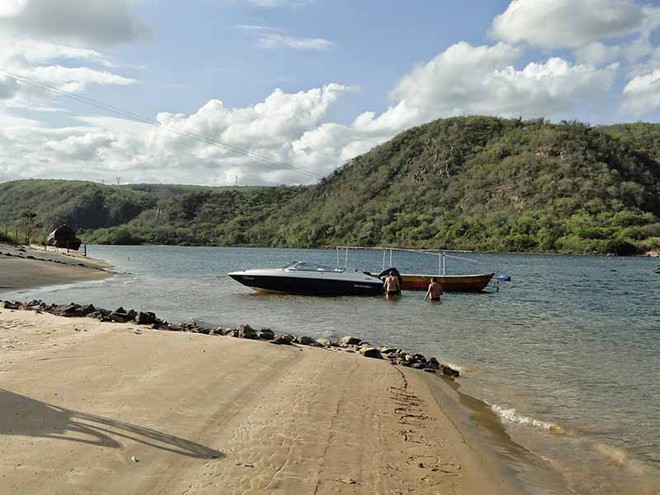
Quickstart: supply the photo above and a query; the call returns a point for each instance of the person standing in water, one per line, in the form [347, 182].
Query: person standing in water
[392, 286]
[434, 291]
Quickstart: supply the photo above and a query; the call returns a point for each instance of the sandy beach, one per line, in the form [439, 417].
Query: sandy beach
[110, 408]
[22, 267]
[91, 407]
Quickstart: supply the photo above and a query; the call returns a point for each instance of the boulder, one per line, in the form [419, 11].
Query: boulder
[433, 364]
[448, 371]
[349, 340]
[67, 310]
[119, 317]
[145, 318]
[247, 332]
[304, 340]
[283, 339]
[87, 309]
[388, 350]
[371, 352]
[324, 342]
[266, 334]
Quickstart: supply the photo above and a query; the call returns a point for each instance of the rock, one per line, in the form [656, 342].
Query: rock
[388, 350]
[448, 371]
[419, 358]
[87, 309]
[283, 339]
[67, 310]
[247, 332]
[348, 340]
[418, 365]
[266, 334]
[145, 318]
[324, 342]
[304, 340]
[371, 352]
[119, 317]
[433, 364]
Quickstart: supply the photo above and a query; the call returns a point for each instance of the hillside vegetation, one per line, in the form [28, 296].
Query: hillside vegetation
[463, 183]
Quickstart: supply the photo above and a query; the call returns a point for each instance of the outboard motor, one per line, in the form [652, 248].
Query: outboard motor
[501, 278]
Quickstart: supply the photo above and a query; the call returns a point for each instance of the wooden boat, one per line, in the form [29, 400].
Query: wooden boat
[420, 281]
[449, 283]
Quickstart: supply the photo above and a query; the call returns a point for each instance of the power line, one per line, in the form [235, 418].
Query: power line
[145, 120]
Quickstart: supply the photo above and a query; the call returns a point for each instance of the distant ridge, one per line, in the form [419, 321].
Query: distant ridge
[481, 183]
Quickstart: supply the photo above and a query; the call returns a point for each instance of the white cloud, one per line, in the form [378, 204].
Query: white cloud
[291, 128]
[597, 53]
[11, 8]
[84, 147]
[30, 53]
[571, 23]
[73, 79]
[93, 22]
[482, 80]
[37, 63]
[145, 153]
[272, 38]
[642, 94]
[8, 87]
[273, 41]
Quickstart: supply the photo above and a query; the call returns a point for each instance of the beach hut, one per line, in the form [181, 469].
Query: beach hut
[63, 237]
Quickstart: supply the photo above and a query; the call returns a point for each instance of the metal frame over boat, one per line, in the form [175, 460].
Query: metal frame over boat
[418, 282]
[310, 279]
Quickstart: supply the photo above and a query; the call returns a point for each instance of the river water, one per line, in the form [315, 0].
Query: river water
[567, 353]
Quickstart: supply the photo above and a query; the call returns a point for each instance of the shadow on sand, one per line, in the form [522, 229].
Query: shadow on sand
[21, 415]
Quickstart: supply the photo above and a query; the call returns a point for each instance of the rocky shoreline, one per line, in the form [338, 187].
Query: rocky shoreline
[350, 344]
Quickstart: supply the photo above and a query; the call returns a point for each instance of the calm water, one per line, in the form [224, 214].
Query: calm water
[567, 353]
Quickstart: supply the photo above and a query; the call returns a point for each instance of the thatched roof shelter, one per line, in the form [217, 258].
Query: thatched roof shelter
[63, 237]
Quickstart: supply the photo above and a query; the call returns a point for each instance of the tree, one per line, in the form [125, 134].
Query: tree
[30, 224]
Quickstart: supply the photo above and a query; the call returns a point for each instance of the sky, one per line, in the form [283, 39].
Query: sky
[270, 92]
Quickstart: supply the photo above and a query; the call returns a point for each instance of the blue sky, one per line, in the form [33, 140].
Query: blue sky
[285, 91]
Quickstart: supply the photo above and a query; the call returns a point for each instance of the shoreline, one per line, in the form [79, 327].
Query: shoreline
[475, 469]
[482, 430]
[376, 428]
[25, 267]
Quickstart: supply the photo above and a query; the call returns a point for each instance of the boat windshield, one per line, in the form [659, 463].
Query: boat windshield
[302, 266]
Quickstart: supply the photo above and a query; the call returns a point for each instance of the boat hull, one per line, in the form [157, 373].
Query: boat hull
[449, 283]
[308, 286]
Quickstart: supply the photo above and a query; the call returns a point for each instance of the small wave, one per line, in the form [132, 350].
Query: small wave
[454, 366]
[510, 415]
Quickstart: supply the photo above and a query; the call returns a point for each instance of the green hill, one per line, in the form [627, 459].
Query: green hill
[465, 183]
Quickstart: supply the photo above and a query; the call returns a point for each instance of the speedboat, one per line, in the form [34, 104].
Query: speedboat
[310, 279]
